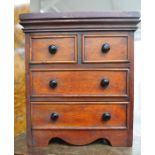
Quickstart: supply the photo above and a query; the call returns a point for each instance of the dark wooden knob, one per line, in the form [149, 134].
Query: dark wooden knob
[104, 82]
[52, 49]
[105, 47]
[53, 83]
[54, 116]
[106, 116]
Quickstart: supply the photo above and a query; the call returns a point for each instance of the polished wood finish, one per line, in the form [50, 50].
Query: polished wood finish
[93, 42]
[79, 82]
[60, 147]
[79, 21]
[78, 116]
[66, 49]
[83, 90]
[117, 138]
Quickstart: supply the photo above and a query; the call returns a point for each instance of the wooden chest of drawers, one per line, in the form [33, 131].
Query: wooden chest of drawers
[80, 77]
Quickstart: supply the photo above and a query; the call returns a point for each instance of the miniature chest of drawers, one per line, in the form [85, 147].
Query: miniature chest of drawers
[80, 77]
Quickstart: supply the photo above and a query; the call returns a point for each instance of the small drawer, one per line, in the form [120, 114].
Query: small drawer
[50, 116]
[53, 49]
[104, 48]
[79, 83]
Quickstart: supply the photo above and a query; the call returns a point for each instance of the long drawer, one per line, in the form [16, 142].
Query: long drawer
[82, 82]
[52, 116]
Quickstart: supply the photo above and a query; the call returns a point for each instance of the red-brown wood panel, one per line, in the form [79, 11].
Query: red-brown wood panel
[78, 116]
[66, 49]
[92, 48]
[79, 82]
[78, 66]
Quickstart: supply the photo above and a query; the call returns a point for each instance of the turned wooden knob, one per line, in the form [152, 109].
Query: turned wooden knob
[104, 82]
[105, 47]
[106, 116]
[52, 49]
[53, 83]
[54, 116]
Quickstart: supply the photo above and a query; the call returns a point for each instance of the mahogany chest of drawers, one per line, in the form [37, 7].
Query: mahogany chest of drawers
[80, 77]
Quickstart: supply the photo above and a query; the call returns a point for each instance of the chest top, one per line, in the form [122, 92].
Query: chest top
[79, 21]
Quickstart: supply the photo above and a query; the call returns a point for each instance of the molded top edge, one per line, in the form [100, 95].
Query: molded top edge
[79, 15]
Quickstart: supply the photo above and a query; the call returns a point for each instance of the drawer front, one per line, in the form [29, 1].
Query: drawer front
[102, 48]
[94, 116]
[54, 49]
[77, 83]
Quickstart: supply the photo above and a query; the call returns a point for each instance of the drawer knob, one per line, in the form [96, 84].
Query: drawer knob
[104, 82]
[54, 116]
[105, 47]
[53, 83]
[106, 116]
[52, 49]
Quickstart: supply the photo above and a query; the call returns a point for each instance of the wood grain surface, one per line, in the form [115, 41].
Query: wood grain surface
[78, 116]
[66, 49]
[79, 82]
[92, 48]
[78, 68]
